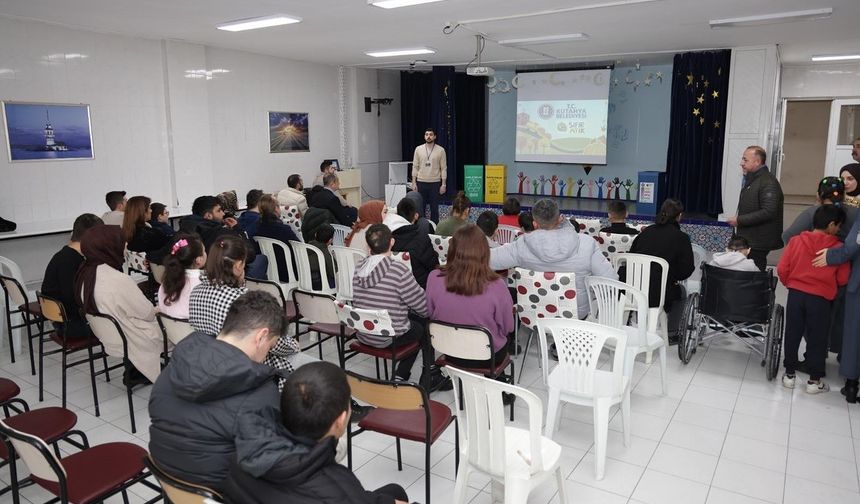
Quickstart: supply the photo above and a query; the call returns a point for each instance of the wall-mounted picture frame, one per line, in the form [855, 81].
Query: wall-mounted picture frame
[47, 131]
[288, 132]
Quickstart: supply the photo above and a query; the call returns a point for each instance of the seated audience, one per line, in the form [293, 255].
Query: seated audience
[182, 268]
[381, 283]
[159, 219]
[207, 220]
[488, 222]
[139, 235]
[735, 256]
[217, 403]
[250, 218]
[372, 212]
[326, 168]
[294, 194]
[409, 238]
[328, 198]
[466, 291]
[811, 292]
[618, 219]
[424, 225]
[315, 409]
[271, 227]
[665, 239]
[322, 241]
[116, 202]
[313, 219]
[222, 282]
[510, 212]
[460, 208]
[59, 279]
[527, 222]
[831, 191]
[102, 287]
[555, 246]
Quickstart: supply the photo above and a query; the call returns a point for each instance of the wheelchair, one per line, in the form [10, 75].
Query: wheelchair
[740, 303]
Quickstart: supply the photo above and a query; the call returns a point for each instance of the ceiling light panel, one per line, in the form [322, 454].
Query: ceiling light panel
[400, 52]
[258, 22]
[393, 4]
[779, 17]
[836, 57]
[546, 39]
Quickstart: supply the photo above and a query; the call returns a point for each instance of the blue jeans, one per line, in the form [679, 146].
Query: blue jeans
[429, 192]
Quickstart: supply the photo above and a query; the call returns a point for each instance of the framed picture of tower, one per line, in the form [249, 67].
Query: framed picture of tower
[47, 131]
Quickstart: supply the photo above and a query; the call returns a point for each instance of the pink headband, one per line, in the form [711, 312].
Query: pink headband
[178, 245]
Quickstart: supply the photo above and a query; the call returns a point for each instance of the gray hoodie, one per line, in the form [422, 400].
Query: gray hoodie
[733, 260]
[560, 250]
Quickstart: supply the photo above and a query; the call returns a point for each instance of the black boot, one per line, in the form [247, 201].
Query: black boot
[850, 390]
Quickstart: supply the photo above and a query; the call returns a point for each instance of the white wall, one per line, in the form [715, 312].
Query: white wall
[160, 133]
[374, 139]
[821, 80]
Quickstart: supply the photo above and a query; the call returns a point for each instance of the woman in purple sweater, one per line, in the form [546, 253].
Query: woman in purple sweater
[466, 291]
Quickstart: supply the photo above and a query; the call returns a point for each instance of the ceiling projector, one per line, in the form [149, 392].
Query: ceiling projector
[480, 71]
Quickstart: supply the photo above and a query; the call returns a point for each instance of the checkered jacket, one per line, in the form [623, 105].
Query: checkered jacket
[208, 307]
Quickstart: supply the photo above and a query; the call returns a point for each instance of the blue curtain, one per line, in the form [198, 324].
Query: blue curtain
[455, 106]
[694, 164]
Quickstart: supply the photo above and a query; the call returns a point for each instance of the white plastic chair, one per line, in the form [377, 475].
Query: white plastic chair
[10, 268]
[612, 244]
[577, 380]
[638, 271]
[506, 234]
[340, 234]
[543, 295]
[516, 458]
[345, 259]
[589, 226]
[440, 245]
[303, 263]
[404, 258]
[268, 247]
[608, 300]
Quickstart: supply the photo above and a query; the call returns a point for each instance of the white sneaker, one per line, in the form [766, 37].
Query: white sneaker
[788, 381]
[817, 388]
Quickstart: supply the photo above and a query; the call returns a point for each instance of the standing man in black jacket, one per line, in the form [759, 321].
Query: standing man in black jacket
[760, 207]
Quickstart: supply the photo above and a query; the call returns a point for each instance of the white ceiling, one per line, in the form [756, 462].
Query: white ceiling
[339, 31]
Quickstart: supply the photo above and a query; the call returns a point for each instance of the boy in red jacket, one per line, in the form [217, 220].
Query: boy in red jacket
[810, 294]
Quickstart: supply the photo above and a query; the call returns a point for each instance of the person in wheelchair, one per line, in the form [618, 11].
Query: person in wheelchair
[735, 257]
[811, 292]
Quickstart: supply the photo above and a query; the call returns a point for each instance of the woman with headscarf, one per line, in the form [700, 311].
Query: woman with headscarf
[850, 175]
[369, 213]
[102, 287]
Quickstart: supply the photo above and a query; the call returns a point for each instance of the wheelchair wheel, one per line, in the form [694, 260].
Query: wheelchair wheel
[774, 340]
[688, 333]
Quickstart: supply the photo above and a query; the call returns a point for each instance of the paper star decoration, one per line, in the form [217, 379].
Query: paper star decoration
[707, 83]
[659, 76]
[696, 112]
[715, 94]
[701, 120]
[716, 124]
[690, 79]
[700, 99]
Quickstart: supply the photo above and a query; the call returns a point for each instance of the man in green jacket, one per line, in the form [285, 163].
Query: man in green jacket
[760, 207]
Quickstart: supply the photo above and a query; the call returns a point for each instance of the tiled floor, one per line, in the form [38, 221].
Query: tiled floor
[722, 434]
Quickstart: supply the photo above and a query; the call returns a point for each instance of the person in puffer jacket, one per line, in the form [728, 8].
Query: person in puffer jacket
[735, 257]
[216, 402]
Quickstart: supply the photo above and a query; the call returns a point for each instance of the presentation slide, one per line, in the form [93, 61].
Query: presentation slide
[561, 116]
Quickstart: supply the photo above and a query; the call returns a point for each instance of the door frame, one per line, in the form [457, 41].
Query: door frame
[830, 168]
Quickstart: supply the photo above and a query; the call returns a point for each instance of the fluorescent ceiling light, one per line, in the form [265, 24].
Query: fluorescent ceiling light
[547, 39]
[400, 52]
[837, 57]
[393, 4]
[779, 17]
[258, 22]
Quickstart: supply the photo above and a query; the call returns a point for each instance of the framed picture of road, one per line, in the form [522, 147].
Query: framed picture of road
[47, 131]
[288, 132]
